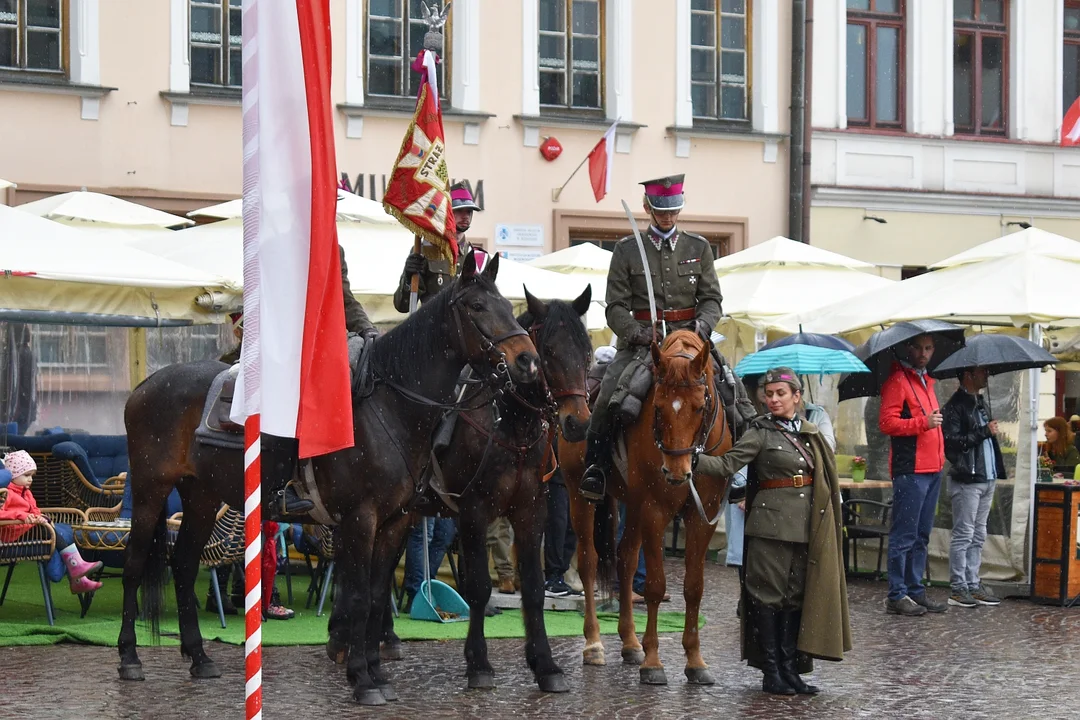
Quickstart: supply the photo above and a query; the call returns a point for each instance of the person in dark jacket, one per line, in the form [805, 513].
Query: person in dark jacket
[910, 416]
[971, 445]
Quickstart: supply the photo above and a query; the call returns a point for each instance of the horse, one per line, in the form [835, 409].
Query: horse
[495, 464]
[416, 366]
[682, 415]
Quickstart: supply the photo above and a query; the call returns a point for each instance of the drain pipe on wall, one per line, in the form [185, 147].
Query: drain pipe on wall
[808, 118]
[797, 146]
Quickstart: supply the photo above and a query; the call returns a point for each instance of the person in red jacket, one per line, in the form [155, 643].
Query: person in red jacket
[911, 416]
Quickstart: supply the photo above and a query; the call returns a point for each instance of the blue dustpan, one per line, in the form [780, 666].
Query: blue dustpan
[444, 598]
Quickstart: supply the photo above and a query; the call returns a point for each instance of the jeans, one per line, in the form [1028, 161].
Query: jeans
[56, 569]
[559, 539]
[441, 533]
[970, 507]
[639, 574]
[914, 503]
[734, 522]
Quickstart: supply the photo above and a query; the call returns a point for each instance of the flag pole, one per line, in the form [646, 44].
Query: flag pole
[558, 191]
[252, 569]
[414, 282]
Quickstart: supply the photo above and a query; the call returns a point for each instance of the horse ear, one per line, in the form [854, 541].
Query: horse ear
[468, 268]
[656, 355]
[700, 362]
[537, 307]
[581, 305]
[491, 269]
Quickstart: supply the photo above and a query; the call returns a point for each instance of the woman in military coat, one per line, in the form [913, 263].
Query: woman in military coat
[794, 589]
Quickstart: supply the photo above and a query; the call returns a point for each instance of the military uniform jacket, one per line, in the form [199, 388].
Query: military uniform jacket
[682, 278]
[435, 278]
[356, 319]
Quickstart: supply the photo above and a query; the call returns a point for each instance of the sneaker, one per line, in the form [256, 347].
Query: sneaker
[930, 605]
[555, 588]
[962, 598]
[904, 606]
[983, 596]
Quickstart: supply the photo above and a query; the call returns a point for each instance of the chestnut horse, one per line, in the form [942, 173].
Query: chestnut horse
[681, 415]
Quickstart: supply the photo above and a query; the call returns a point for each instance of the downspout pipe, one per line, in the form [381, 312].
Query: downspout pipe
[797, 147]
[808, 122]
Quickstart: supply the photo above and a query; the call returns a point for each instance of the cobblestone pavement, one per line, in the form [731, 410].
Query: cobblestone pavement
[1018, 660]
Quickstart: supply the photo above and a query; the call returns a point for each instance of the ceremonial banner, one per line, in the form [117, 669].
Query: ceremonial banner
[418, 192]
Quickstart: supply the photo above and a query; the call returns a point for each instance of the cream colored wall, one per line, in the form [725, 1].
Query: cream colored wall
[133, 145]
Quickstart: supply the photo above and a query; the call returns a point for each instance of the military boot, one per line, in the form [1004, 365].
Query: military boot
[789, 666]
[279, 461]
[597, 466]
[767, 622]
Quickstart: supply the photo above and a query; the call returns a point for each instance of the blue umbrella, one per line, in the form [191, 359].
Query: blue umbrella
[803, 359]
[813, 340]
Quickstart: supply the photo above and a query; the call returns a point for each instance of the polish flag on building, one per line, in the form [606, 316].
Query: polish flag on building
[601, 162]
[1070, 127]
[294, 363]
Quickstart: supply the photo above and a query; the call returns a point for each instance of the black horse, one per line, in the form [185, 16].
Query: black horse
[495, 465]
[417, 366]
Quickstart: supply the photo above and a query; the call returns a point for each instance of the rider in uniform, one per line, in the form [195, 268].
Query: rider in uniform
[687, 296]
[433, 269]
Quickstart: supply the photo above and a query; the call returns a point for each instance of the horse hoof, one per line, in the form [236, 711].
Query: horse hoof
[633, 656]
[338, 652]
[131, 672]
[699, 676]
[371, 697]
[205, 671]
[391, 652]
[594, 655]
[482, 681]
[553, 683]
[388, 693]
[653, 676]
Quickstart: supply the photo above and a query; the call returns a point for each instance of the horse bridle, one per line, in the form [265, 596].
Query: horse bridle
[712, 407]
[551, 397]
[496, 358]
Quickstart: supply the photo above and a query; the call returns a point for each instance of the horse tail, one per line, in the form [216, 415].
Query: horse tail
[154, 578]
[605, 525]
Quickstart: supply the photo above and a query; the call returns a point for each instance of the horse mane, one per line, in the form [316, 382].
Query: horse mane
[559, 313]
[407, 353]
[675, 369]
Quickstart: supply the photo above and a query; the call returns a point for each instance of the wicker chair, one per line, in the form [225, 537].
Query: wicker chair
[225, 546]
[318, 540]
[79, 485]
[35, 545]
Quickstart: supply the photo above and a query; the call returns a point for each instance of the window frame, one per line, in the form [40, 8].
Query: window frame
[871, 20]
[224, 46]
[979, 29]
[718, 82]
[568, 55]
[1071, 37]
[407, 99]
[21, 30]
[66, 340]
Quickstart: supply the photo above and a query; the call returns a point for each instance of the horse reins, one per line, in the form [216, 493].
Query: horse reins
[711, 407]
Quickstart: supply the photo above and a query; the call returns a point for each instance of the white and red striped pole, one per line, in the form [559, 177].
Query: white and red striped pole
[252, 569]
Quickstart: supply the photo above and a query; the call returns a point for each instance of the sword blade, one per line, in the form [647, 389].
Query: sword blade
[645, 265]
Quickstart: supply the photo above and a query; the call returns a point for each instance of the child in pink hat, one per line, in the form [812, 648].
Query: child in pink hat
[20, 505]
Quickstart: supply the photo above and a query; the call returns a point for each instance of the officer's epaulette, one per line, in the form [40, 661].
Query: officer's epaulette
[693, 235]
[626, 238]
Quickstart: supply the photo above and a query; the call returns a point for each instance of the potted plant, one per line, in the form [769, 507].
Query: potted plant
[858, 468]
[1046, 469]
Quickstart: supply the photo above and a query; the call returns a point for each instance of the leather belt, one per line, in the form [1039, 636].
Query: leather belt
[797, 481]
[681, 315]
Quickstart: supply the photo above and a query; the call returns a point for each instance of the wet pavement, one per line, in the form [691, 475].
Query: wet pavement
[1018, 660]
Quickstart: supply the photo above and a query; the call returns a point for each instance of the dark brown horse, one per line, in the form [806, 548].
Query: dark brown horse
[495, 466]
[416, 366]
[682, 414]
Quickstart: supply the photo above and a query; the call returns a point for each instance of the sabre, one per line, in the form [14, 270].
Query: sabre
[648, 270]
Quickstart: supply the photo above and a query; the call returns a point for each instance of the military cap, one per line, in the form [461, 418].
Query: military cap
[784, 375]
[665, 193]
[461, 198]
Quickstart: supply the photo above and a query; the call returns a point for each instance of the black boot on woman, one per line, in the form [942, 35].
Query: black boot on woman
[768, 629]
[789, 665]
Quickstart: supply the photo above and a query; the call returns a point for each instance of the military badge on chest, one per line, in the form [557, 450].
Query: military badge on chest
[692, 279]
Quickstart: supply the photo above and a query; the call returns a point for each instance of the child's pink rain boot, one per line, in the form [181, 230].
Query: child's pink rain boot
[76, 566]
[84, 585]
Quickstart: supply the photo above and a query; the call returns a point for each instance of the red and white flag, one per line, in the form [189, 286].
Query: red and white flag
[601, 162]
[294, 363]
[1070, 127]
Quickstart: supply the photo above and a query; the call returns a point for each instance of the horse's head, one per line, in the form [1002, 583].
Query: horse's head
[492, 340]
[558, 331]
[685, 402]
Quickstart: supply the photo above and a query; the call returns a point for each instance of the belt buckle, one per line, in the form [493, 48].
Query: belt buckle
[797, 480]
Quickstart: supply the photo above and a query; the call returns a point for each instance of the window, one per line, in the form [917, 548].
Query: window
[719, 37]
[875, 63]
[1071, 76]
[32, 35]
[395, 36]
[570, 54]
[216, 42]
[980, 57]
[71, 348]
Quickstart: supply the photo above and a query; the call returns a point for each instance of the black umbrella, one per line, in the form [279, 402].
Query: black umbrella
[813, 340]
[880, 352]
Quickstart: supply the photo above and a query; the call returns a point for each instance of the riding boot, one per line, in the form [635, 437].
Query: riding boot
[597, 464]
[279, 461]
[768, 632]
[789, 639]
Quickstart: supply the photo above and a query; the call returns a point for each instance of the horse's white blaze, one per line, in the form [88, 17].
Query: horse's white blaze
[676, 405]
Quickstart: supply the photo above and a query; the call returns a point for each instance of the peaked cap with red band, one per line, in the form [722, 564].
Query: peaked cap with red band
[461, 198]
[665, 193]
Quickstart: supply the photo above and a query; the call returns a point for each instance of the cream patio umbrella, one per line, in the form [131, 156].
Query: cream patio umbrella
[97, 209]
[350, 207]
[783, 252]
[1031, 241]
[582, 258]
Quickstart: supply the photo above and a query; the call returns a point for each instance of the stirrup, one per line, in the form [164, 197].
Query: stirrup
[589, 478]
[289, 504]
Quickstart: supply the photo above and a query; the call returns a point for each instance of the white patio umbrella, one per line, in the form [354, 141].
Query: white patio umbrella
[91, 207]
[350, 207]
[781, 251]
[581, 258]
[5, 184]
[1030, 240]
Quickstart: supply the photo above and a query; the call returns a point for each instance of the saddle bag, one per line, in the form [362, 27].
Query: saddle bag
[632, 388]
